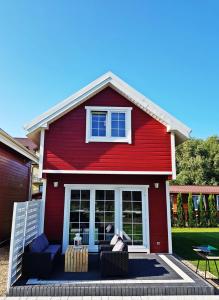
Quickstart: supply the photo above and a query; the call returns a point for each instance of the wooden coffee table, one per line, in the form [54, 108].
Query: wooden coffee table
[76, 259]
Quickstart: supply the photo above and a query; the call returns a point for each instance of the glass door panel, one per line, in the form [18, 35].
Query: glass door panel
[104, 215]
[79, 215]
[132, 217]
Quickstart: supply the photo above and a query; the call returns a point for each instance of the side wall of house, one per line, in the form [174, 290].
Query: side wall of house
[65, 147]
[14, 186]
[157, 204]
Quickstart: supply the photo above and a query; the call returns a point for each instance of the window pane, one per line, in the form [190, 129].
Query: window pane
[75, 205]
[109, 217]
[99, 218]
[109, 206]
[118, 124]
[99, 205]
[100, 195]
[121, 132]
[98, 123]
[136, 196]
[114, 132]
[84, 217]
[110, 195]
[126, 196]
[74, 217]
[75, 194]
[85, 195]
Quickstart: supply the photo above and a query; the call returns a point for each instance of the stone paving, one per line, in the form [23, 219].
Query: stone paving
[192, 297]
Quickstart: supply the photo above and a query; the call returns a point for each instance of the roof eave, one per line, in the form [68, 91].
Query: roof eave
[109, 79]
[16, 146]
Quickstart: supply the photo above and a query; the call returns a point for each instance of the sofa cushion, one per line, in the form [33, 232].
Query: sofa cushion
[39, 244]
[53, 249]
[45, 240]
[119, 246]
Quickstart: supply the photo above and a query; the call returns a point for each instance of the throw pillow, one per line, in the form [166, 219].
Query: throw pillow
[114, 240]
[119, 246]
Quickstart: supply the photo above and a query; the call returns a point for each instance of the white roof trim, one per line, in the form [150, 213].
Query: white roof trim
[15, 145]
[109, 79]
[107, 172]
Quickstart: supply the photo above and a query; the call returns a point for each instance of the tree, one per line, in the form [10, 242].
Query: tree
[197, 161]
[202, 214]
[212, 211]
[191, 221]
[180, 212]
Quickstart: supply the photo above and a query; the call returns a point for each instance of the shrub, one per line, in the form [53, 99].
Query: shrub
[191, 220]
[202, 214]
[212, 211]
[180, 212]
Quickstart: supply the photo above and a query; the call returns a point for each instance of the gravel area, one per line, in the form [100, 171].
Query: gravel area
[3, 269]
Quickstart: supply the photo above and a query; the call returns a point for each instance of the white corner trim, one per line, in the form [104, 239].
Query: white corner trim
[173, 154]
[41, 154]
[44, 204]
[107, 172]
[66, 219]
[147, 220]
[108, 138]
[168, 218]
[109, 79]
[16, 146]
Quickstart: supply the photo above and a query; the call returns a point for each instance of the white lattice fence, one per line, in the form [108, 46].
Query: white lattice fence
[26, 225]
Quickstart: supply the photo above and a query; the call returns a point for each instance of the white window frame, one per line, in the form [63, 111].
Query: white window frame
[108, 138]
[204, 201]
[196, 195]
[118, 213]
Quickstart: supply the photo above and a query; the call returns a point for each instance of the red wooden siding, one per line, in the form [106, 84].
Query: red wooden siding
[14, 186]
[157, 199]
[65, 146]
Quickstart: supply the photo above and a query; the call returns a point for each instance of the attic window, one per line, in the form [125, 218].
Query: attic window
[108, 124]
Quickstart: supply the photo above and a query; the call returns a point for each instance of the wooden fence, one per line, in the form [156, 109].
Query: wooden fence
[26, 225]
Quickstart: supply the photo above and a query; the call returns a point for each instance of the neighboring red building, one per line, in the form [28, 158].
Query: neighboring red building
[195, 190]
[15, 176]
[106, 154]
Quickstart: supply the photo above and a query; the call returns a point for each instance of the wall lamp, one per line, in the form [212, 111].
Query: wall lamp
[156, 185]
[55, 184]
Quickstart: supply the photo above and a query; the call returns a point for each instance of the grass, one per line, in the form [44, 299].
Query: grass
[185, 238]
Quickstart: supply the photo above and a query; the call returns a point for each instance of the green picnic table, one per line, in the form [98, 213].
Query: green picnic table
[207, 252]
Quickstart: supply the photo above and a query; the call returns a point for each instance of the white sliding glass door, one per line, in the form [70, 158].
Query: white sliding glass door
[97, 212]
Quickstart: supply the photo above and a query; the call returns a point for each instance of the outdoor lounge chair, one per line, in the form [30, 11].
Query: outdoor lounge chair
[39, 258]
[114, 263]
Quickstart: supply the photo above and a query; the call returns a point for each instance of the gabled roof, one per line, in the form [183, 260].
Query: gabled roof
[9, 141]
[194, 189]
[113, 81]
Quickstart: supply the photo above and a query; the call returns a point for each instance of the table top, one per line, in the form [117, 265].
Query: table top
[205, 255]
[81, 248]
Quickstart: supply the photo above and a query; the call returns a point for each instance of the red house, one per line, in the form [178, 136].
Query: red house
[15, 179]
[106, 155]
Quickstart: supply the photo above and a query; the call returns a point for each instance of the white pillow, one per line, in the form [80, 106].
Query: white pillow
[114, 240]
[118, 246]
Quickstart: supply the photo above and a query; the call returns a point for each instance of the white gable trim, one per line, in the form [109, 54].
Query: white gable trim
[109, 79]
[173, 154]
[107, 172]
[16, 146]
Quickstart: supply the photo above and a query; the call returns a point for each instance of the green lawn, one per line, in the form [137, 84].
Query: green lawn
[185, 238]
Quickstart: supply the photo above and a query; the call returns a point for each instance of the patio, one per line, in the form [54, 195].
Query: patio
[149, 274]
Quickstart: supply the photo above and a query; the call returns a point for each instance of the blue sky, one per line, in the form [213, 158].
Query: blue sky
[168, 50]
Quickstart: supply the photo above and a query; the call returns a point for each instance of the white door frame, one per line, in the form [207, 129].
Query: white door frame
[118, 212]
